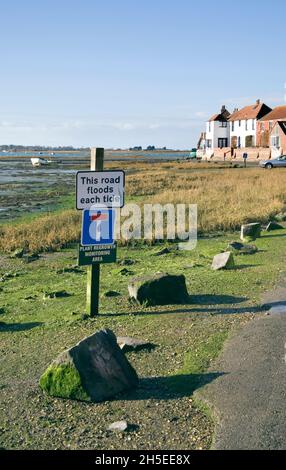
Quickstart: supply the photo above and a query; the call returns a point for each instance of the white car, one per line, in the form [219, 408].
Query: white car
[274, 163]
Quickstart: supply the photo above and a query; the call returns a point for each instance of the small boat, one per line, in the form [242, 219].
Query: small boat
[36, 161]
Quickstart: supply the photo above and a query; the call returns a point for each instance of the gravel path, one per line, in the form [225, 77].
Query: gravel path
[250, 397]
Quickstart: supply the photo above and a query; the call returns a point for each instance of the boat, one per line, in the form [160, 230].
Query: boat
[36, 161]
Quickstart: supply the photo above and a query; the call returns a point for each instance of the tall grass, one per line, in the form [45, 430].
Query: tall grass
[45, 233]
[226, 198]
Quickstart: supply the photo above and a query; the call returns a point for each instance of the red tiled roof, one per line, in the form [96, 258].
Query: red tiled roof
[277, 114]
[222, 116]
[250, 112]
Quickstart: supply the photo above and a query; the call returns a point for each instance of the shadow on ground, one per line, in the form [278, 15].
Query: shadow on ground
[276, 235]
[4, 327]
[269, 305]
[211, 299]
[212, 311]
[170, 388]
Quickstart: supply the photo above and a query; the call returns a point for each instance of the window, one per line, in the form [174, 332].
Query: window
[232, 126]
[246, 125]
[210, 127]
[222, 143]
[223, 124]
[239, 142]
[253, 124]
[270, 125]
[275, 141]
[239, 123]
[209, 143]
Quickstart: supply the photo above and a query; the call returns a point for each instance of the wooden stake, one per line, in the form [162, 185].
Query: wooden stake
[93, 271]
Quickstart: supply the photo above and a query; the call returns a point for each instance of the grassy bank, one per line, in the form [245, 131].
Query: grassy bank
[226, 198]
[35, 330]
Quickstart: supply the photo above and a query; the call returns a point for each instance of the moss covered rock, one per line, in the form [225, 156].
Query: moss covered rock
[63, 380]
[223, 261]
[95, 369]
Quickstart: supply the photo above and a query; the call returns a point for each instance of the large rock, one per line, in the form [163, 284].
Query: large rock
[159, 289]
[223, 261]
[95, 369]
[273, 226]
[250, 231]
[238, 248]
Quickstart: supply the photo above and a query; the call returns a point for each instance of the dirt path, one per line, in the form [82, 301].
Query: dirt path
[249, 397]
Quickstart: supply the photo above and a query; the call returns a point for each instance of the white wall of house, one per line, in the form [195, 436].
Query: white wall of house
[216, 130]
[242, 129]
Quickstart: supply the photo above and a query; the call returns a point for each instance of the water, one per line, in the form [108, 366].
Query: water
[26, 189]
[109, 155]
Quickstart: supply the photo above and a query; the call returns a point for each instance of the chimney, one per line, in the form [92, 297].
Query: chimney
[223, 109]
[235, 110]
[257, 102]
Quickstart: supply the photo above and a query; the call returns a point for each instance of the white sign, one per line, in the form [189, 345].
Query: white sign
[100, 188]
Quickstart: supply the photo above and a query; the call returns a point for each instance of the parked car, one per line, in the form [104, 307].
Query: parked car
[274, 163]
[193, 154]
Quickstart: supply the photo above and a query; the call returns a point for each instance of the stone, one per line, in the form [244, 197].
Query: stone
[242, 249]
[273, 226]
[281, 217]
[55, 295]
[70, 269]
[111, 293]
[159, 289]
[127, 262]
[128, 344]
[29, 258]
[93, 370]
[126, 272]
[164, 251]
[118, 426]
[223, 261]
[250, 231]
[9, 276]
[18, 253]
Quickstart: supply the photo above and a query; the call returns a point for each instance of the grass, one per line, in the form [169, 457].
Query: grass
[188, 337]
[225, 199]
[35, 329]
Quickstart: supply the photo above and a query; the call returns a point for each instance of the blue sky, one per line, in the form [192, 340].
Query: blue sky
[123, 73]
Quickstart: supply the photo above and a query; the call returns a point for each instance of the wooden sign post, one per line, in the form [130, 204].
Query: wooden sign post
[93, 271]
[98, 194]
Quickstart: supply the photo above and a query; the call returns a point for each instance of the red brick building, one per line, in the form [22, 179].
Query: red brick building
[266, 124]
[278, 136]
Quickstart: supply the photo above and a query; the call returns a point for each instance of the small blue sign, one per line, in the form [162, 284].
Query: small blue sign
[98, 227]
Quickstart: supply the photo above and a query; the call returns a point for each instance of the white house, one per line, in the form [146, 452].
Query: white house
[243, 124]
[217, 131]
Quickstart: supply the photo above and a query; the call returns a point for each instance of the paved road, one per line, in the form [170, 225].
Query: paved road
[250, 396]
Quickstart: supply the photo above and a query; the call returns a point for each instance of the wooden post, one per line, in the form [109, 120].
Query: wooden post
[93, 271]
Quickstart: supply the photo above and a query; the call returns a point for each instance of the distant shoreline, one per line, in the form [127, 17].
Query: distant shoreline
[83, 156]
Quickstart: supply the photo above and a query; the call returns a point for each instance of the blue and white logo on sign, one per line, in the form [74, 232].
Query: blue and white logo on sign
[98, 227]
